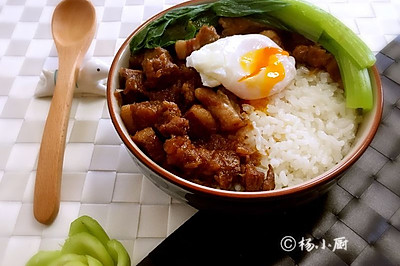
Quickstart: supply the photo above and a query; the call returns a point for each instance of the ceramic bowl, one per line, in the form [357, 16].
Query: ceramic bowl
[202, 197]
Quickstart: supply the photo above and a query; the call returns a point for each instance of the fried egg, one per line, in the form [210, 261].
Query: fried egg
[251, 66]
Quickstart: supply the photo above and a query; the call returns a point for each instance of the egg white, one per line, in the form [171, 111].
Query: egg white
[218, 63]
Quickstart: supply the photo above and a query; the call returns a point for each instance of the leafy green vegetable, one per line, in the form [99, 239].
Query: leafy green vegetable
[241, 8]
[356, 80]
[357, 83]
[303, 18]
[87, 245]
[352, 54]
[183, 23]
[317, 24]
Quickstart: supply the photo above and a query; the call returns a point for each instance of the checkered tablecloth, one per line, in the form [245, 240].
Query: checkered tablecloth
[99, 177]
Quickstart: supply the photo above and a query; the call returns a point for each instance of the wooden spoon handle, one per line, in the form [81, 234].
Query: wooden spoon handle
[51, 155]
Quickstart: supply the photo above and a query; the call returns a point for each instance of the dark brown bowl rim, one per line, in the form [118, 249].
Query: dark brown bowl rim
[191, 186]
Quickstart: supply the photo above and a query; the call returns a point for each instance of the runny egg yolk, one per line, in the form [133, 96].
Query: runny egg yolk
[263, 67]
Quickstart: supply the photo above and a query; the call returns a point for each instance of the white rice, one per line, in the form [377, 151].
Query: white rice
[306, 129]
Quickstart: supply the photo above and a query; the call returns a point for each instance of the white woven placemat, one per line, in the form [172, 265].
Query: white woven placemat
[100, 179]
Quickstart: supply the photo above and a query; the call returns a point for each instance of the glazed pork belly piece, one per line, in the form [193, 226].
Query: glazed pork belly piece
[206, 34]
[132, 84]
[159, 68]
[162, 115]
[221, 108]
[221, 165]
[150, 143]
[317, 57]
[201, 121]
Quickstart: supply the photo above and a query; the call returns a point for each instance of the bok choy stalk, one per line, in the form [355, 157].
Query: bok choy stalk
[87, 245]
[352, 54]
[357, 83]
[316, 24]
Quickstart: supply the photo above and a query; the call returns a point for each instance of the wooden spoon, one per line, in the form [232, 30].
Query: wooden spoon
[73, 28]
